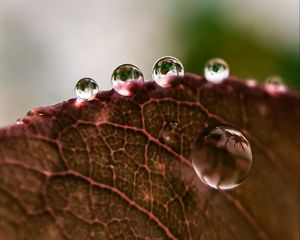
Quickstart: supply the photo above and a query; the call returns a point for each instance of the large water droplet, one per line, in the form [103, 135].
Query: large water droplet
[86, 89]
[222, 157]
[275, 84]
[166, 67]
[123, 76]
[216, 70]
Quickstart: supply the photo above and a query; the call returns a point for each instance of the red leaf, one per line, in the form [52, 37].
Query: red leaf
[102, 169]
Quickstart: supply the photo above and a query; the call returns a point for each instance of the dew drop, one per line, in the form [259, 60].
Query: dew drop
[251, 82]
[216, 70]
[123, 76]
[275, 84]
[171, 134]
[19, 121]
[222, 157]
[24, 120]
[166, 67]
[86, 89]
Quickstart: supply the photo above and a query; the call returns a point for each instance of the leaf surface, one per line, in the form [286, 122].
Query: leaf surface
[104, 169]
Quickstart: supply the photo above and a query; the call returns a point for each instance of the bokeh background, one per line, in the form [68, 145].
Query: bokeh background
[46, 46]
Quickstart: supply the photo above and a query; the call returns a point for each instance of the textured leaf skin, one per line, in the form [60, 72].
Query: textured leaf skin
[101, 170]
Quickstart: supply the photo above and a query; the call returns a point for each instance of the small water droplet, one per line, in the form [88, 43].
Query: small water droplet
[251, 82]
[24, 120]
[123, 76]
[19, 121]
[275, 84]
[216, 70]
[171, 134]
[86, 89]
[222, 157]
[166, 67]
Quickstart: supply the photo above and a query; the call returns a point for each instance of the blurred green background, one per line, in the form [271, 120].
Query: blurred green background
[46, 46]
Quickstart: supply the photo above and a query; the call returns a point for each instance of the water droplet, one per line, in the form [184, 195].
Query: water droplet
[251, 82]
[222, 157]
[216, 70]
[166, 67]
[86, 89]
[19, 121]
[24, 120]
[123, 76]
[171, 134]
[275, 84]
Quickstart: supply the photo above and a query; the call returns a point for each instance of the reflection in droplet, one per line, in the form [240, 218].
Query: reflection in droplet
[222, 157]
[123, 76]
[275, 84]
[216, 70]
[86, 89]
[166, 67]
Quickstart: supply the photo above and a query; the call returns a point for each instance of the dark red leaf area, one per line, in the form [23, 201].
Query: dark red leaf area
[103, 170]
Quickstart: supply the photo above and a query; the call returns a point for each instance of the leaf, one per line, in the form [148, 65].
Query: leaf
[101, 170]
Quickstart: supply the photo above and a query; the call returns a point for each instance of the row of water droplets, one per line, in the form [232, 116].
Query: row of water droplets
[125, 74]
[216, 71]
